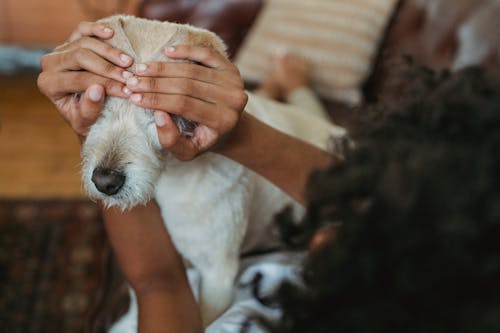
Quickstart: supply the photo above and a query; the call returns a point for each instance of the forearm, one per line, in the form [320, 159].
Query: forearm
[280, 158]
[154, 269]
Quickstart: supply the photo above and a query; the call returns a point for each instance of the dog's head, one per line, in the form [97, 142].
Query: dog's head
[122, 157]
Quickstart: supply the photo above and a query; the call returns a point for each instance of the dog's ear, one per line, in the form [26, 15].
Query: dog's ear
[189, 35]
[119, 40]
[145, 40]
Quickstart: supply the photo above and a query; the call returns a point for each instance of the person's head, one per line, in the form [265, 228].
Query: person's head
[419, 202]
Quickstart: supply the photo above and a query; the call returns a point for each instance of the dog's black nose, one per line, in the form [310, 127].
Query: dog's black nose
[108, 181]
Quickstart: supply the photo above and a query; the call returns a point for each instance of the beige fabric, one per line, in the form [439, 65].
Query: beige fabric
[338, 37]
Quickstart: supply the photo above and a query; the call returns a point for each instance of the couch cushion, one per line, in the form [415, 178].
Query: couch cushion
[338, 37]
[230, 19]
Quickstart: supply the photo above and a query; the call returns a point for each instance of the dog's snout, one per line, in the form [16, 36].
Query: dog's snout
[108, 181]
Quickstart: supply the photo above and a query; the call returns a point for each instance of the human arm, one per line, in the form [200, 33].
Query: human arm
[154, 269]
[282, 159]
[213, 96]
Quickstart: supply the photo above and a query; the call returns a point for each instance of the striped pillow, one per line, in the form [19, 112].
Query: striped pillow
[339, 38]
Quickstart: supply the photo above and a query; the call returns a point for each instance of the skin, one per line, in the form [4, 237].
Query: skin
[78, 75]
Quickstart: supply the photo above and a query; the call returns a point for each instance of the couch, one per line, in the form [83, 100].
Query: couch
[412, 31]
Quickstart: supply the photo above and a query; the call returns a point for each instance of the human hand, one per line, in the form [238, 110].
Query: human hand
[439, 28]
[77, 75]
[209, 91]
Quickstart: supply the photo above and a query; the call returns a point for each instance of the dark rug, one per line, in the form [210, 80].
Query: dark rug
[53, 260]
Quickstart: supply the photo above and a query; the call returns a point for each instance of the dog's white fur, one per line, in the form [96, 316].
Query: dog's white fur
[214, 208]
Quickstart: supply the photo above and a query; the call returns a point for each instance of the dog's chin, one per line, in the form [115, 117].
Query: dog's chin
[138, 189]
[133, 193]
[125, 199]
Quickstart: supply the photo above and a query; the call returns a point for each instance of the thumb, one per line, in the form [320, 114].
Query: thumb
[91, 104]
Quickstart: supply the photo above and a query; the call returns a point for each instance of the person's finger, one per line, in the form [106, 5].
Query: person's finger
[100, 48]
[91, 29]
[181, 86]
[168, 133]
[218, 117]
[170, 138]
[187, 70]
[83, 59]
[199, 54]
[91, 104]
[59, 84]
[184, 149]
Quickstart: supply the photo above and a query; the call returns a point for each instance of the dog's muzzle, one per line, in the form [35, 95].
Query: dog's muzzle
[108, 181]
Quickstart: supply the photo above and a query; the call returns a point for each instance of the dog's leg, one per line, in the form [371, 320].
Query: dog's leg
[217, 289]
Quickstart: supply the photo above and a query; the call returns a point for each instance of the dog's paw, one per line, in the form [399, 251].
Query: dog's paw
[265, 279]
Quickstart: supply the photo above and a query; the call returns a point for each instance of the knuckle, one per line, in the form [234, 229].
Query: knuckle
[192, 71]
[241, 99]
[80, 42]
[161, 67]
[152, 84]
[84, 42]
[187, 86]
[79, 55]
[244, 100]
[42, 82]
[108, 49]
[181, 103]
[109, 67]
[109, 84]
[44, 61]
[153, 101]
[238, 100]
[86, 117]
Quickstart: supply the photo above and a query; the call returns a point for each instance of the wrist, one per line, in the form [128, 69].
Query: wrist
[232, 143]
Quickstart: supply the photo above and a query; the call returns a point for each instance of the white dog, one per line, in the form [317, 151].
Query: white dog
[214, 209]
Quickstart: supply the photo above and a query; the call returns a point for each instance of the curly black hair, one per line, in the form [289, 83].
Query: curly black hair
[419, 201]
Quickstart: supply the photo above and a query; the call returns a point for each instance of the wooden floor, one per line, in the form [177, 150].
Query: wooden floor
[39, 155]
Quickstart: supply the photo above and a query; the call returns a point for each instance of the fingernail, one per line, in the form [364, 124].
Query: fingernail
[170, 49]
[132, 82]
[127, 75]
[127, 91]
[141, 68]
[136, 98]
[107, 30]
[95, 94]
[160, 119]
[125, 58]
